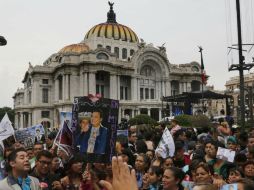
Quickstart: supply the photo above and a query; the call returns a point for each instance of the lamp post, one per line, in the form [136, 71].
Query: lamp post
[3, 41]
[249, 90]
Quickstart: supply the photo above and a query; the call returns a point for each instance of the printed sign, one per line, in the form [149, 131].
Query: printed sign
[229, 187]
[166, 145]
[122, 133]
[225, 154]
[94, 125]
[28, 135]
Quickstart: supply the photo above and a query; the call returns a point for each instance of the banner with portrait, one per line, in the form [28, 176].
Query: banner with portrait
[94, 126]
[27, 135]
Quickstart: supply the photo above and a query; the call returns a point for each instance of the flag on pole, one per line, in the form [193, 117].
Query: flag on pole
[203, 73]
[6, 128]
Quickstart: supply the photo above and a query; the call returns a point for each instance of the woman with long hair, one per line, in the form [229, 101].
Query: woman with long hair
[172, 179]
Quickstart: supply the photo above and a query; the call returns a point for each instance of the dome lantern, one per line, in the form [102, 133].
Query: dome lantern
[111, 14]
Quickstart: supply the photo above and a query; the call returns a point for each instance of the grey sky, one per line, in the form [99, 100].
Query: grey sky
[36, 29]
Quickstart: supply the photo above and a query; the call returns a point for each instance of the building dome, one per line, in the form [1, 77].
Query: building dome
[112, 30]
[75, 48]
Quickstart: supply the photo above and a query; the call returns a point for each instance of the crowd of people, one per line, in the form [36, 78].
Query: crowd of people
[137, 166]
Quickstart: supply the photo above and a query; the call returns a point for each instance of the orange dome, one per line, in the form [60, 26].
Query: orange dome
[75, 48]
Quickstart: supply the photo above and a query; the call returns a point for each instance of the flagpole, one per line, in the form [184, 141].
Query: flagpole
[202, 82]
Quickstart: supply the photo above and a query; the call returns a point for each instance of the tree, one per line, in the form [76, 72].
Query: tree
[184, 120]
[199, 121]
[142, 119]
[9, 111]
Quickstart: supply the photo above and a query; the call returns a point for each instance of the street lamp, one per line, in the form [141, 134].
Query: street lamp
[249, 89]
[3, 41]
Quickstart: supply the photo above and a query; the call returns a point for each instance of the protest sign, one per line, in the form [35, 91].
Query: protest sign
[225, 154]
[166, 145]
[9, 141]
[27, 135]
[229, 187]
[122, 133]
[6, 129]
[64, 137]
[94, 124]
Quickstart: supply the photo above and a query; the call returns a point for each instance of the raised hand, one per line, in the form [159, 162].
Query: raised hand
[123, 179]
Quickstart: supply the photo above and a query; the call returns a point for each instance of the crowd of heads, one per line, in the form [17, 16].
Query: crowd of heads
[194, 165]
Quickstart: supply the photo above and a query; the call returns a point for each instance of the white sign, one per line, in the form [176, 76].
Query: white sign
[225, 154]
[6, 128]
[166, 146]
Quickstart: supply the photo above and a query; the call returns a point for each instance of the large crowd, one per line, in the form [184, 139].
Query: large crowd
[137, 166]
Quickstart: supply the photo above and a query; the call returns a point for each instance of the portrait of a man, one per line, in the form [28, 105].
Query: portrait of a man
[38, 136]
[92, 137]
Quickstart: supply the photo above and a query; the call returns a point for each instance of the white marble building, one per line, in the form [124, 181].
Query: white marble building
[111, 61]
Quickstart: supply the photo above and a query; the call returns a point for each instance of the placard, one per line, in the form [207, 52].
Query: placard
[94, 126]
[225, 154]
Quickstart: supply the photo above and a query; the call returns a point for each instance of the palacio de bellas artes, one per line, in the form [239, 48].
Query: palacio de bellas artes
[111, 60]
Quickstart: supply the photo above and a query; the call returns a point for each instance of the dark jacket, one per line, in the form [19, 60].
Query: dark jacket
[100, 143]
[49, 179]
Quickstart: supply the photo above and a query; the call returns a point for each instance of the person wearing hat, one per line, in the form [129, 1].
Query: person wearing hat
[84, 122]
[232, 143]
[175, 126]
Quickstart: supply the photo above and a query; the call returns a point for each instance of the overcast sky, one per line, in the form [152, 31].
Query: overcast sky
[36, 29]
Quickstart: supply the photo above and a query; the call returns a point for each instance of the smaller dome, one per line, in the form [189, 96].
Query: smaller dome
[75, 48]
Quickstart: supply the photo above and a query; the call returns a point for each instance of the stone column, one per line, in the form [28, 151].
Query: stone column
[138, 111]
[67, 87]
[118, 86]
[185, 87]
[119, 115]
[160, 114]
[85, 83]
[180, 88]
[163, 88]
[188, 87]
[92, 83]
[21, 120]
[29, 120]
[132, 114]
[81, 83]
[56, 89]
[158, 90]
[112, 86]
[168, 88]
[134, 89]
[16, 120]
[149, 111]
[64, 87]
[138, 89]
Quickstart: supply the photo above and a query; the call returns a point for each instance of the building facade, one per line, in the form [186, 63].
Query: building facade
[112, 61]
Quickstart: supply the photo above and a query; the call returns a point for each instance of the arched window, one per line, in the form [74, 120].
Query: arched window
[116, 51]
[174, 87]
[124, 53]
[132, 52]
[99, 46]
[147, 71]
[108, 48]
[102, 56]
